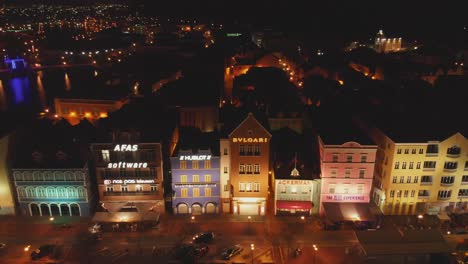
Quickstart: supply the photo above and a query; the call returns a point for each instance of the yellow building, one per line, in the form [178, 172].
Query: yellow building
[7, 203]
[421, 177]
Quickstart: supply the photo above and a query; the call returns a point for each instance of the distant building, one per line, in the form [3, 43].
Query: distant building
[75, 110]
[204, 118]
[249, 146]
[7, 202]
[52, 181]
[195, 182]
[384, 45]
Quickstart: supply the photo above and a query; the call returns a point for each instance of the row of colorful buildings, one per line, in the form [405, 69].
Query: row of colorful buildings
[128, 176]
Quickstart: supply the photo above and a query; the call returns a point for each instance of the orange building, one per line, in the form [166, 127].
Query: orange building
[249, 150]
[74, 110]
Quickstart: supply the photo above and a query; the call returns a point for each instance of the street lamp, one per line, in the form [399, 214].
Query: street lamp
[26, 248]
[315, 252]
[252, 248]
[302, 217]
[51, 219]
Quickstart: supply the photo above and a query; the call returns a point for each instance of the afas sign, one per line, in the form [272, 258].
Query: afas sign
[125, 147]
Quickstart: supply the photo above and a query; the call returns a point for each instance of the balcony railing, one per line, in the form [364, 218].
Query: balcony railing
[426, 183]
[443, 197]
[446, 183]
[450, 169]
[423, 196]
[131, 193]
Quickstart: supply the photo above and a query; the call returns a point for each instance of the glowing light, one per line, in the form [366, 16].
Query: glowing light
[73, 114]
[51, 219]
[340, 82]
[26, 248]
[420, 216]
[103, 115]
[87, 114]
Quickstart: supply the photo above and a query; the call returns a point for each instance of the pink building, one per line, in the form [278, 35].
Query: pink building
[347, 170]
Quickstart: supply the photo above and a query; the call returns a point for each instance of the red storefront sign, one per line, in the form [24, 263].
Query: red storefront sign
[293, 205]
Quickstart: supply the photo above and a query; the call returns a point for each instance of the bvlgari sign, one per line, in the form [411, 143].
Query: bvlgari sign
[249, 140]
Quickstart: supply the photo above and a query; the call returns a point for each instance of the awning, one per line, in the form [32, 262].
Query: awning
[348, 212]
[292, 205]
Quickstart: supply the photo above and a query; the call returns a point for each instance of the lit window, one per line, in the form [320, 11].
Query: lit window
[207, 192]
[196, 192]
[183, 178]
[195, 178]
[207, 178]
[105, 155]
[183, 192]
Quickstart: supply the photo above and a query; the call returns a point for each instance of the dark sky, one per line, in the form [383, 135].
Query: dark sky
[413, 19]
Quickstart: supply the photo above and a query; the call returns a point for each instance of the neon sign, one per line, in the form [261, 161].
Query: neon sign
[250, 140]
[125, 181]
[125, 147]
[195, 157]
[118, 165]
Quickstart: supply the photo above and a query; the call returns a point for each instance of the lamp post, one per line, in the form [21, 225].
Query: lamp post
[252, 248]
[315, 252]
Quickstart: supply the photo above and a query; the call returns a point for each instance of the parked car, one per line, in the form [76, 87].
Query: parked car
[42, 251]
[230, 252]
[199, 251]
[205, 237]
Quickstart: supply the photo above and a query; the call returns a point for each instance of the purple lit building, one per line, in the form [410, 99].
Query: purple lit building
[195, 182]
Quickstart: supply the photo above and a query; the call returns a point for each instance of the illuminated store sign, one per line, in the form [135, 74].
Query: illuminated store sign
[346, 198]
[294, 182]
[118, 165]
[128, 181]
[124, 147]
[195, 157]
[250, 140]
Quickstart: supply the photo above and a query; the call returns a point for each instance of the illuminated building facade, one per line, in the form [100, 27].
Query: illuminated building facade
[225, 169]
[384, 44]
[421, 177]
[249, 146]
[296, 194]
[7, 203]
[52, 182]
[195, 182]
[74, 110]
[129, 175]
[347, 173]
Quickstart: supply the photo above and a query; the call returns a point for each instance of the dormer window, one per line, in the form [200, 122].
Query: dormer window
[432, 149]
[60, 155]
[454, 150]
[37, 156]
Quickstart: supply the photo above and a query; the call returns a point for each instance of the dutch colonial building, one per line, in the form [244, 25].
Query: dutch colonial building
[347, 157]
[129, 175]
[52, 181]
[195, 182]
[249, 153]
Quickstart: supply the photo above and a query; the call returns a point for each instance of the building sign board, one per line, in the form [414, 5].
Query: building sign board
[294, 182]
[195, 157]
[249, 140]
[131, 165]
[344, 198]
[125, 147]
[128, 181]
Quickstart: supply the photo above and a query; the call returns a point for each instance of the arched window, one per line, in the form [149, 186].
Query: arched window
[51, 192]
[40, 192]
[58, 176]
[65, 209]
[69, 176]
[75, 210]
[45, 210]
[79, 175]
[18, 176]
[37, 176]
[54, 210]
[30, 192]
[81, 192]
[61, 192]
[71, 192]
[35, 210]
[27, 176]
[48, 176]
[21, 192]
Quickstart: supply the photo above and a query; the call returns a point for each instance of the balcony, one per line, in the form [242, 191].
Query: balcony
[450, 168]
[426, 183]
[453, 152]
[446, 183]
[131, 193]
[443, 197]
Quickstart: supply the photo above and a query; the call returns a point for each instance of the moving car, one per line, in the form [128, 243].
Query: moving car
[205, 237]
[42, 251]
[230, 252]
